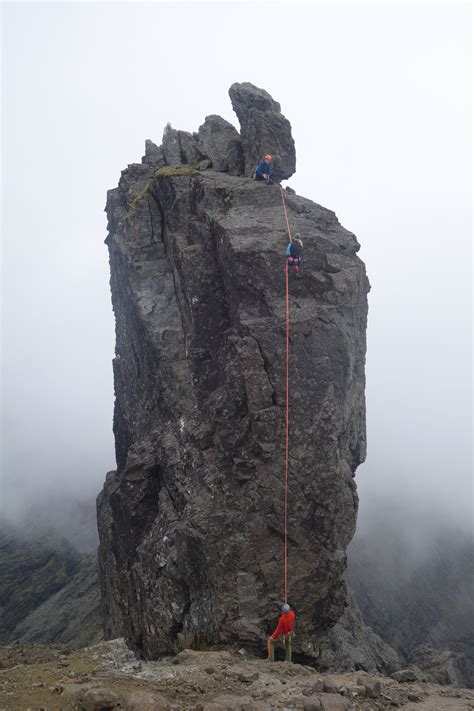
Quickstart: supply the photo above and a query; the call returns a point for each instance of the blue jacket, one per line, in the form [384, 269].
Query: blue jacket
[264, 168]
[294, 249]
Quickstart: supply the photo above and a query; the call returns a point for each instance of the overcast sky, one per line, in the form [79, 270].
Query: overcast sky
[379, 99]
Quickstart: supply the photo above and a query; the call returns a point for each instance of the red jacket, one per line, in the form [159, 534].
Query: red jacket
[285, 624]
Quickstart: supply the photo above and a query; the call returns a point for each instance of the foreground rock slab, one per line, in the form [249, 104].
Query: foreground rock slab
[108, 674]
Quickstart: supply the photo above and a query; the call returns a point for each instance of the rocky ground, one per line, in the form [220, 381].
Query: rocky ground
[49, 679]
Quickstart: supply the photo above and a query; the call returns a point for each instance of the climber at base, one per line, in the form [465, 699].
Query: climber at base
[264, 169]
[293, 252]
[282, 633]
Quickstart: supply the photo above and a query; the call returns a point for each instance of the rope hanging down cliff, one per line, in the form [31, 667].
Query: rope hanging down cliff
[287, 353]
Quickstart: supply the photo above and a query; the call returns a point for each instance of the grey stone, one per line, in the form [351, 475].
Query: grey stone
[171, 147]
[205, 164]
[354, 690]
[190, 151]
[397, 697]
[331, 702]
[75, 691]
[405, 675]
[248, 677]
[99, 699]
[330, 687]
[154, 155]
[220, 141]
[263, 129]
[373, 687]
[144, 701]
[312, 703]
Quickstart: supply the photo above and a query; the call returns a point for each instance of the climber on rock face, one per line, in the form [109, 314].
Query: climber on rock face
[282, 633]
[293, 252]
[264, 169]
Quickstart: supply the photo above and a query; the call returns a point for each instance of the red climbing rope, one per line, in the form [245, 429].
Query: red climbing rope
[287, 359]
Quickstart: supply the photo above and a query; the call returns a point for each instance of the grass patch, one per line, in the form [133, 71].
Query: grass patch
[141, 195]
[191, 248]
[169, 170]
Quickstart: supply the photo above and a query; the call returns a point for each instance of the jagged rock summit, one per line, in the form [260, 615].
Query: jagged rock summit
[264, 129]
[191, 522]
[218, 145]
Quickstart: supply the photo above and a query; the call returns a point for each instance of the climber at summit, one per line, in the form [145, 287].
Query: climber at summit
[293, 252]
[264, 169]
[282, 633]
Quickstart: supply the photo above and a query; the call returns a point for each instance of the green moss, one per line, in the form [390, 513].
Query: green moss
[191, 248]
[193, 218]
[169, 170]
[141, 195]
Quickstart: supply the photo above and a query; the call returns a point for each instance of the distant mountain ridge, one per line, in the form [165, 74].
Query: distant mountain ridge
[48, 590]
[421, 603]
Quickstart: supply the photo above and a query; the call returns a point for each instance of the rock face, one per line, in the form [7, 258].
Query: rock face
[264, 129]
[191, 523]
[352, 646]
[220, 141]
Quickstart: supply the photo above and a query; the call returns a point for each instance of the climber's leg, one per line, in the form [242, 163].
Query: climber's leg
[271, 648]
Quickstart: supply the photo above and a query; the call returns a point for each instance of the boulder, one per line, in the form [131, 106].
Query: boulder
[144, 701]
[154, 155]
[312, 703]
[405, 675]
[221, 143]
[99, 699]
[330, 687]
[331, 702]
[373, 687]
[191, 154]
[75, 691]
[263, 129]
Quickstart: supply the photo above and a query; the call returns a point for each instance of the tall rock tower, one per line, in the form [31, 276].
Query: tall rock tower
[191, 523]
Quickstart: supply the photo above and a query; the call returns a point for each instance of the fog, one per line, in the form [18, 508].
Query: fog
[379, 98]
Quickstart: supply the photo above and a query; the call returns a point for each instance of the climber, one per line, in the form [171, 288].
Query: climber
[293, 252]
[264, 169]
[283, 631]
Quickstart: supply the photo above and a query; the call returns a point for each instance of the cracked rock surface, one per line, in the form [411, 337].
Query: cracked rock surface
[191, 523]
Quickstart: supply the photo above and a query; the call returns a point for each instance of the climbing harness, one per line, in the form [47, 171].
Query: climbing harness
[287, 331]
